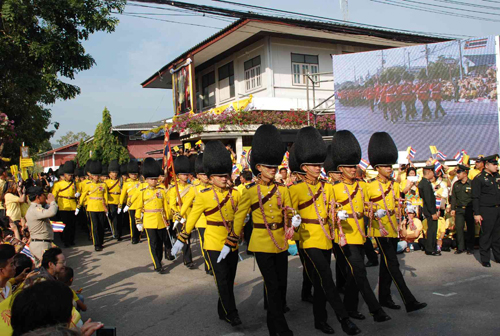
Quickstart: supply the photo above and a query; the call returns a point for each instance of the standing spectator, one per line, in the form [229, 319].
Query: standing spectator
[12, 199]
[461, 209]
[7, 270]
[37, 220]
[486, 202]
[429, 209]
[3, 178]
[478, 167]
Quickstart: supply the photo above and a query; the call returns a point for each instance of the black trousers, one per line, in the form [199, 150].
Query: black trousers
[115, 219]
[68, 218]
[465, 217]
[306, 278]
[369, 250]
[224, 274]
[431, 240]
[340, 279]
[354, 269]
[201, 234]
[489, 239]
[439, 108]
[135, 235]
[156, 239]
[426, 113]
[98, 221]
[247, 232]
[318, 265]
[274, 270]
[390, 272]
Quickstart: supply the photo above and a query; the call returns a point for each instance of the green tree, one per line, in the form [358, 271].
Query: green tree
[105, 146]
[40, 41]
[71, 137]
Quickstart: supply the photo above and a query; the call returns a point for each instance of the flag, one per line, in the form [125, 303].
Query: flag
[323, 173]
[466, 159]
[437, 166]
[168, 160]
[363, 164]
[58, 226]
[235, 169]
[441, 155]
[475, 44]
[438, 202]
[26, 251]
[433, 150]
[199, 143]
[284, 162]
[459, 157]
[244, 153]
[412, 152]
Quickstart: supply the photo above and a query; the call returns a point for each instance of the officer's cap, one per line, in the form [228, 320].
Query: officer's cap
[35, 191]
[462, 168]
[491, 159]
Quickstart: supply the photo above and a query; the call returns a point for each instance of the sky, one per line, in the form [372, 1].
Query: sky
[139, 47]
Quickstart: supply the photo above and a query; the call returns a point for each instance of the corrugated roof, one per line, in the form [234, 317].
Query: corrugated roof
[139, 126]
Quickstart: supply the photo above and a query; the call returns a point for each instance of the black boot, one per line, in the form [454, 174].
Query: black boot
[380, 316]
[349, 327]
[168, 255]
[324, 327]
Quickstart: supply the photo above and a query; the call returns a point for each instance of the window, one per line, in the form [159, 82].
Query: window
[253, 79]
[208, 89]
[303, 64]
[226, 81]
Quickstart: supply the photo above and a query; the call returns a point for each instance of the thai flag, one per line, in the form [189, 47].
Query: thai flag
[244, 153]
[459, 157]
[437, 166]
[441, 155]
[323, 173]
[26, 251]
[438, 202]
[235, 169]
[412, 152]
[58, 226]
[363, 164]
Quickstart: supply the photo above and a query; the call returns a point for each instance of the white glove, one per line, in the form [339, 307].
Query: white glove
[247, 218]
[177, 247]
[77, 195]
[183, 220]
[342, 214]
[380, 213]
[223, 254]
[126, 208]
[77, 211]
[119, 211]
[296, 220]
[140, 227]
[175, 224]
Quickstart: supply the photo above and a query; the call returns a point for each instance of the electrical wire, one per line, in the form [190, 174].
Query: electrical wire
[447, 7]
[170, 21]
[460, 3]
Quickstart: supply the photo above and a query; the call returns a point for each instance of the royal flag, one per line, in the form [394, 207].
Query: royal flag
[27, 252]
[363, 164]
[323, 174]
[441, 155]
[412, 152]
[58, 226]
[168, 159]
[433, 150]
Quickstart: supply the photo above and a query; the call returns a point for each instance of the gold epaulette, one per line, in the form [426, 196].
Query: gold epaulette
[205, 190]
[371, 180]
[248, 186]
[336, 182]
[279, 184]
[297, 182]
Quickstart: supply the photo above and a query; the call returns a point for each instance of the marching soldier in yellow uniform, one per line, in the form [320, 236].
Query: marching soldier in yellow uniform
[151, 211]
[176, 201]
[114, 190]
[97, 207]
[187, 205]
[66, 194]
[130, 187]
[349, 198]
[311, 197]
[269, 205]
[219, 205]
[84, 186]
[382, 193]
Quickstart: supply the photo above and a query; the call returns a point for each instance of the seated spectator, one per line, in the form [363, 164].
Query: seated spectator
[67, 278]
[23, 265]
[7, 270]
[409, 189]
[53, 264]
[412, 230]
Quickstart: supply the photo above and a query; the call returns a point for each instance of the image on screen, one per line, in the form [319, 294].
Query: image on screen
[442, 94]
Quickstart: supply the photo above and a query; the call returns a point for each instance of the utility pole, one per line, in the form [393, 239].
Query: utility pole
[382, 60]
[409, 61]
[427, 60]
[344, 7]
[460, 63]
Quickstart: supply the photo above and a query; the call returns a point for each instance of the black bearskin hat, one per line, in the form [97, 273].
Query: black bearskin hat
[345, 149]
[114, 166]
[81, 172]
[104, 170]
[133, 167]
[198, 165]
[69, 167]
[310, 148]
[292, 161]
[182, 165]
[95, 168]
[123, 169]
[86, 169]
[192, 164]
[329, 165]
[150, 168]
[217, 159]
[382, 150]
[267, 148]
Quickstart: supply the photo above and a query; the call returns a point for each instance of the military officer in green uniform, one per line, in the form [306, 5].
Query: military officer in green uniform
[461, 209]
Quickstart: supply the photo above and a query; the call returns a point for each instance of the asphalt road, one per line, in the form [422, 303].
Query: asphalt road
[471, 126]
[121, 290]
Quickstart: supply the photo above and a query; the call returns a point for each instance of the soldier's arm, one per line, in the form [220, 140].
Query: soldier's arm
[83, 197]
[140, 206]
[123, 195]
[476, 193]
[188, 201]
[241, 213]
[55, 190]
[199, 207]
[453, 199]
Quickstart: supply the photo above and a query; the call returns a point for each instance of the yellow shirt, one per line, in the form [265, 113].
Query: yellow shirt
[151, 207]
[349, 226]
[473, 173]
[187, 204]
[419, 227]
[13, 207]
[114, 190]
[261, 240]
[174, 203]
[311, 235]
[2, 184]
[374, 194]
[97, 196]
[215, 235]
[129, 188]
[64, 193]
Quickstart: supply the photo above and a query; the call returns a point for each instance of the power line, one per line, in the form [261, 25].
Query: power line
[170, 21]
[162, 14]
[446, 7]
[460, 3]
[428, 10]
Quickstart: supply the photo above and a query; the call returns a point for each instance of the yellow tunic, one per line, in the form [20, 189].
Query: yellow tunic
[261, 240]
[373, 194]
[311, 235]
[215, 235]
[188, 202]
[64, 193]
[174, 202]
[128, 190]
[114, 190]
[151, 207]
[97, 196]
[349, 226]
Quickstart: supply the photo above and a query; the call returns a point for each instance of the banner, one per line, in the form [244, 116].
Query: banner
[442, 95]
[183, 88]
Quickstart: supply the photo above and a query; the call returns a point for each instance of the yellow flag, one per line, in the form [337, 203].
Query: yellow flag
[199, 142]
[187, 145]
[466, 159]
[433, 149]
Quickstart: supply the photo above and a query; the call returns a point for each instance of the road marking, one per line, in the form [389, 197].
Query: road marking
[445, 295]
[479, 277]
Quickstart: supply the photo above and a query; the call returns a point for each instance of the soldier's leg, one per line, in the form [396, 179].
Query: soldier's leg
[187, 254]
[307, 277]
[431, 245]
[153, 243]
[487, 225]
[102, 224]
[93, 227]
[162, 236]
[459, 228]
[471, 229]
[113, 218]
[201, 234]
[495, 237]
[134, 233]
[340, 267]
